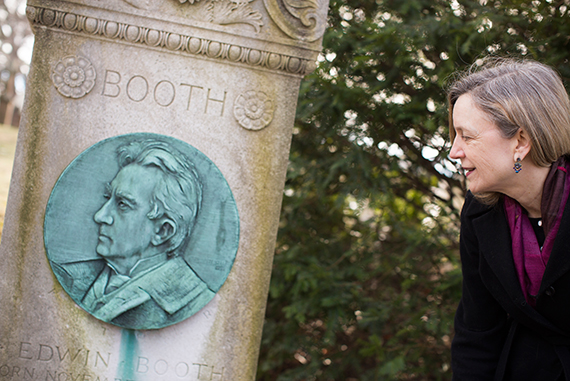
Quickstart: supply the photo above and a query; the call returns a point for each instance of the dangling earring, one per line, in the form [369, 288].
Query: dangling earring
[518, 165]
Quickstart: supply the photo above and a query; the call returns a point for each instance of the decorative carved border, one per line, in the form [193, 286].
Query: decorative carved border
[154, 38]
[300, 19]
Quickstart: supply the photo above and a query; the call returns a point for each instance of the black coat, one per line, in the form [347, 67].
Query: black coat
[498, 336]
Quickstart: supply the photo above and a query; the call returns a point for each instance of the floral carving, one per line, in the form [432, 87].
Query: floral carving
[221, 12]
[226, 12]
[234, 12]
[304, 10]
[73, 76]
[253, 110]
[301, 19]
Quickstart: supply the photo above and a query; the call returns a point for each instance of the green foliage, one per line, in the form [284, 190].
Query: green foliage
[366, 275]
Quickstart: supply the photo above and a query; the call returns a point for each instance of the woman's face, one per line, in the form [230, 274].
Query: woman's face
[486, 156]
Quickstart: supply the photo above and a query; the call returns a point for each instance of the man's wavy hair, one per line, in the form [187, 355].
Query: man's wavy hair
[518, 94]
[178, 195]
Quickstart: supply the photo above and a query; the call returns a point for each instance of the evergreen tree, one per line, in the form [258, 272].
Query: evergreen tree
[366, 274]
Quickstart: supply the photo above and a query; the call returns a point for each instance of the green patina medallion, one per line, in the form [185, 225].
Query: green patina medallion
[141, 230]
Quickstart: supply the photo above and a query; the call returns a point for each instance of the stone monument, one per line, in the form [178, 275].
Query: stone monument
[147, 184]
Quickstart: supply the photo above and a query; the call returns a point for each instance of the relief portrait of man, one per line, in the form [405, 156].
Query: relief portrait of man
[140, 277]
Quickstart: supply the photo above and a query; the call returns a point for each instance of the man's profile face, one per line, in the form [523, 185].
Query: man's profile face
[125, 231]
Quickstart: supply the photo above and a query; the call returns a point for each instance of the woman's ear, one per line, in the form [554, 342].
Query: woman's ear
[523, 144]
[165, 229]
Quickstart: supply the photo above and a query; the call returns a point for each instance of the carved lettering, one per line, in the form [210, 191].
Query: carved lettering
[209, 374]
[24, 352]
[217, 375]
[137, 88]
[16, 371]
[142, 365]
[45, 353]
[181, 369]
[190, 94]
[102, 359]
[54, 357]
[62, 357]
[200, 368]
[164, 93]
[219, 102]
[4, 370]
[52, 376]
[79, 377]
[161, 367]
[63, 376]
[112, 78]
[28, 374]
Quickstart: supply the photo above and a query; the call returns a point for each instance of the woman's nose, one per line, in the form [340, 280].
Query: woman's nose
[456, 151]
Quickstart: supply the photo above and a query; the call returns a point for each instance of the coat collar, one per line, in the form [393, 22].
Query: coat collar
[490, 223]
[559, 262]
[495, 247]
[172, 286]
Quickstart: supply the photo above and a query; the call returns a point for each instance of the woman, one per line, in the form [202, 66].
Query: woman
[510, 127]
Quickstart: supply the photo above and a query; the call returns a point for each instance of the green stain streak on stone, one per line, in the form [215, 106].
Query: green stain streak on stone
[30, 200]
[128, 355]
[246, 334]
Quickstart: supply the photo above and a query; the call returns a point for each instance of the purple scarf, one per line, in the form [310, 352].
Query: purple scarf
[530, 260]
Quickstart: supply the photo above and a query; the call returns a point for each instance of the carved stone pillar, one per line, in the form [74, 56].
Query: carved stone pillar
[145, 196]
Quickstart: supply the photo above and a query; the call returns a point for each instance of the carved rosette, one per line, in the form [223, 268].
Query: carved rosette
[161, 39]
[74, 76]
[253, 110]
[304, 20]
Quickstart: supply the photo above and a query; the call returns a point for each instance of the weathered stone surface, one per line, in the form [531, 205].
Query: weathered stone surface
[222, 76]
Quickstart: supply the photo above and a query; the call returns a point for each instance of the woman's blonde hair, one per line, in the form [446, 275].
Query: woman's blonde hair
[518, 94]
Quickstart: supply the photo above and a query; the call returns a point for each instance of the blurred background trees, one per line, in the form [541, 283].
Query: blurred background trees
[16, 41]
[366, 275]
